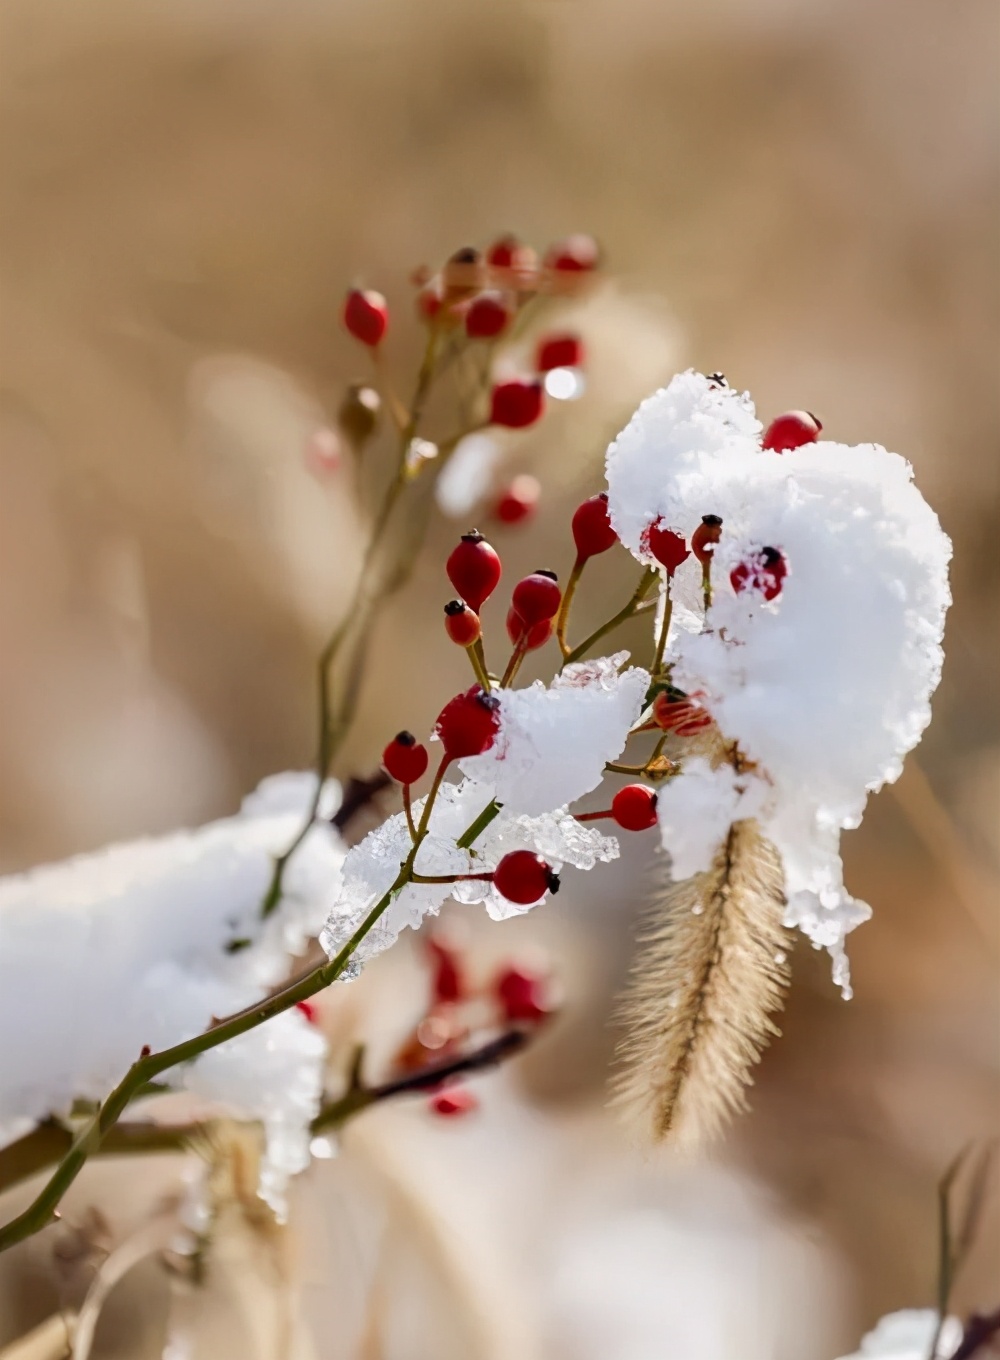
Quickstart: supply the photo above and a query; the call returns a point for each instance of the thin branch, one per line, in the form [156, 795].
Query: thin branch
[634, 606]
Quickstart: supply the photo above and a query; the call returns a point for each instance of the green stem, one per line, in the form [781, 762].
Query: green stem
[478, 665]
[634, 606]
[661, 641]
[514, 664]
[475, 830]
[562, 620]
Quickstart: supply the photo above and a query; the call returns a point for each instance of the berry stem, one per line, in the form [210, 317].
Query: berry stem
[636, 605]
[562, 619]
[514, 664]
[661, 641]
[706, 584]
[476, 656]
[408, 810]
[594, 816]
[451, 878]
[475, 829]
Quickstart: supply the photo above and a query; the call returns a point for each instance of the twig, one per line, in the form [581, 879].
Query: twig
[626, 612]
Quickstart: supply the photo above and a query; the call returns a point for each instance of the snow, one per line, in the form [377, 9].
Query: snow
[695, 812]
[130, 947]
[372, 866]
[554, 741]
[907, 1335]
[826, 688]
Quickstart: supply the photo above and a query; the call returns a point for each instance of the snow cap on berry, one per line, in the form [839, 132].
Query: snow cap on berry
[553, 741]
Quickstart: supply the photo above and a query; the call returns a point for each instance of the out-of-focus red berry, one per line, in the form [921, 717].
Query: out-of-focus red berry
[474, 569]
[405, 759]
[522, 995]
[520, 500]
[468, 724]
[559, 351]
[577, 254]
[488, 315]
[465, 273]
[537, 597]
[310, 1010]
[447, 982]
[634, 807]
[667, 546]
[765, 572]
[366, 315]
[791, 430]
[516, 403]
[524, 877]
[454, 1100]
[592, 531]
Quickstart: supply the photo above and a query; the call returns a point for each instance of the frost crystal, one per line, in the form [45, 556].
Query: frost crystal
[134, 943]
[554, 741]
[908, 1336]
[372, 866]
[826, 687]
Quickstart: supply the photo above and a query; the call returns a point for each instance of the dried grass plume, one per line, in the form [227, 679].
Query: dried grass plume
[711, 970]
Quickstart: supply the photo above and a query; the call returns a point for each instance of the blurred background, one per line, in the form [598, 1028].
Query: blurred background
[800, 193]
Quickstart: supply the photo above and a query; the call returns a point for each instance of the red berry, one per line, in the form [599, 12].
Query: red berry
[522, 995]
[685, 716]
[310, 1010]
[576, 254]
[366, 315]
[705, 537]
[520, 500]
[405, 758]
[524, 877]
[516, 403]
[462, 623]
[474, 569]
[468, 724]
[764, 572]
[487, 316]
[454, 1100]
[464, 273]
[537, 597]
[430, 300]
[666, 546]
[509, 253]
[447, 985]
[538, 633]
[634, 807]
[592, 531]
[559, 351]
[791, 430]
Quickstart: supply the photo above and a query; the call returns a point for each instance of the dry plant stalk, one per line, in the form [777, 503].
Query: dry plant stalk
[710, 972]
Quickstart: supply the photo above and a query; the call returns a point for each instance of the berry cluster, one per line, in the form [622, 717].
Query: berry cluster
[514, 995]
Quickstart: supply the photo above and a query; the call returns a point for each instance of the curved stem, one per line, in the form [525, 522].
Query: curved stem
[661, 641]
[634, 606]
[562, 619]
